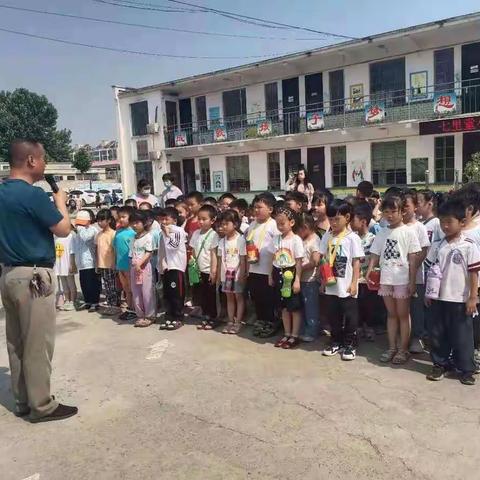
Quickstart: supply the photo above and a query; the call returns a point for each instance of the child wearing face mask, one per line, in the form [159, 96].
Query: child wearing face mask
[171, 191]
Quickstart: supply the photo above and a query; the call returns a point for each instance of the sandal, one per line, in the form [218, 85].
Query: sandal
[142, 323]
[210, 325]
[235, 329]
[228, 327]
[292, 342]
[174, 325]
[388, 355]
[279, 343]
[401, 357]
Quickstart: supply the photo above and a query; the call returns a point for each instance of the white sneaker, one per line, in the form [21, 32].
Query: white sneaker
[416, 346]
[332, 350]
[349, 353]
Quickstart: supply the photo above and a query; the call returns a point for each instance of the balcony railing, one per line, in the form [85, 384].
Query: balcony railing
[422, 103]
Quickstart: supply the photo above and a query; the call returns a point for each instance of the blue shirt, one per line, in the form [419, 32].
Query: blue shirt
[26, 215]
[121, 243]
[84, 248]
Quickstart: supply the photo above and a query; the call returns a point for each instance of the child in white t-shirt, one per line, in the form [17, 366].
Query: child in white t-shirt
[204, 243]
[63, 268]
[426, 205]
[342, 249]
[417, 302]
[395, 249]
[456, 261]
[232, 268]
[287, 249]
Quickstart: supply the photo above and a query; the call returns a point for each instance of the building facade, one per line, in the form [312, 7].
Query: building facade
[104, 158]
[396, 108]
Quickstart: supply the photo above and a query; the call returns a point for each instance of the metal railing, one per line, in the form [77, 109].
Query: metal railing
[423, 103]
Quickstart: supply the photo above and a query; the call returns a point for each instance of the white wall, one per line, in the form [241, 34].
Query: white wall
[358, 157]
[419, 62]
[355, 75]
[258, 170]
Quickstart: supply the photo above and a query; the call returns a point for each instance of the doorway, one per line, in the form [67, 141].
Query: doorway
[337, 91]
[189, 184]
[471, 145]
[176, 171]
[316, 166]
[291, 112]
[471, 77]
[185, 108]
[271, 101]
[314, 92]
[293, 160]
[171, 114]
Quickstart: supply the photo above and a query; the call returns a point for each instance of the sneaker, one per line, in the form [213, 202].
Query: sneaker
[416, 346]
[332, 350]
[93, 308]
[436, 374]
[60, 413]
[83, 306]
[68, 307]
[467, 379]
[477, 356]
[349, 353]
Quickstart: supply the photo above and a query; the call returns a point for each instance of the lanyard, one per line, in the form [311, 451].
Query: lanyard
[196, 255]
[333, 249]
[262, 234]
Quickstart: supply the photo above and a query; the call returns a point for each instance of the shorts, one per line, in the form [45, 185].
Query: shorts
[292, 303]
[394, 291]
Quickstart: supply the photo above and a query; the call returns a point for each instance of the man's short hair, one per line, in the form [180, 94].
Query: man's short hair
[20, 149]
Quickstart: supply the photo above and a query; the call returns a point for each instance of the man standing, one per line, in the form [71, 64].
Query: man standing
[28, 220]
[171, 191]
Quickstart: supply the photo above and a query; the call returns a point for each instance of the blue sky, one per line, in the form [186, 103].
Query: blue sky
[77, 80]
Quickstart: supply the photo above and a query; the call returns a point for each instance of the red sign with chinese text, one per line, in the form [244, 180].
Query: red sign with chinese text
[451, 125]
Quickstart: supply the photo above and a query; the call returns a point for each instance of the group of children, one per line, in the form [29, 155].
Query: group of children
[345, 266]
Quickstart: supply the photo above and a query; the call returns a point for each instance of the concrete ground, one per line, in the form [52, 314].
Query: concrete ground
[202, 405]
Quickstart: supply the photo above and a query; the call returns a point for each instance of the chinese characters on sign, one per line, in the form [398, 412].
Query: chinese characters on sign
[464, 124]
[445, 103]
[218, 181]
[315, 121]
[264, 128]
[219, 134]
[181, 139]
[374, 112]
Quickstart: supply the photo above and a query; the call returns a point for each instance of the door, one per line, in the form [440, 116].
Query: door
[387, 82]
[316, 166]
[337, 92]
[291, 112]
[471, 145]
[293, 160]
[201, 109]
[189, 184]
[176, 171]
[234, 108]
[185, 107]
[443, 70]
[271, 101]
[471, 77]
[171, 114]
[314, 92]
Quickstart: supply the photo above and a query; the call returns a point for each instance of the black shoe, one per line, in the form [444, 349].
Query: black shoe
[22, 413]
[436, 374]
[60, 413]
[467, 379]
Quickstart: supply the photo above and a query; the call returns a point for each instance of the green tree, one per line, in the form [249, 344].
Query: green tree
[82, 161]
[25, 114]
[471, 172]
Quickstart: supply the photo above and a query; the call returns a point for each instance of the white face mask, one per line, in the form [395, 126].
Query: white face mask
[167, 183]
[146, 191]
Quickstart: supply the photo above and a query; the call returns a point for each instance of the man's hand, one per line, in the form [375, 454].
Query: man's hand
[60, 198]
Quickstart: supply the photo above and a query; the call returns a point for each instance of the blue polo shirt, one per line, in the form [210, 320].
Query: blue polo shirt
[26, 215]
[121, 243]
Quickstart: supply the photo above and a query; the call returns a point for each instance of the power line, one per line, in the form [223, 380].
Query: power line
[136, 52]
[152, 27]
[159, 8]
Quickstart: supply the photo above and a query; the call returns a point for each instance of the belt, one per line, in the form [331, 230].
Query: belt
[27, 264]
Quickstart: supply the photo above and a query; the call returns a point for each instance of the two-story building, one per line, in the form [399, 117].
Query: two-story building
[401, 107]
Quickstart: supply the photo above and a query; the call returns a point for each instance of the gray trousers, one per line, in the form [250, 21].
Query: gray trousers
[30, 331]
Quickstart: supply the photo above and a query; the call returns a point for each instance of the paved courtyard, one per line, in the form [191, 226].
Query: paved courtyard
[201, 405]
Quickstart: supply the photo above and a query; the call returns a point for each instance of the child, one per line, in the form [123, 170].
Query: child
[426, 204]
[131, 202]
[194, 202]
[203, 246]
[287, 250]
[232, 263]
[172, 263]
[183, 214]
[417, 304]
[395, 249]
[63, 268]
[83, 246]
[370, 305]
[122, 240]
[342, 249]
[240, 205]
[225, 200]
[451, 326]
[296, 201]
[308, 283]
[141, 277]
[259, 240]
[106, 259]
[319, 212]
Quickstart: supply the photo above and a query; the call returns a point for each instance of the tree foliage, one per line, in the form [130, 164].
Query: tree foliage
[471, 172]
[82, 161]
[25, 114]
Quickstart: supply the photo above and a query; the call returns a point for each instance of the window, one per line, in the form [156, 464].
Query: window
[205, 175]
[389, 163]
[273, 159]
[419, 168]
[445, 159]
[234, 108]
[238, 173]
[139, 115]
[144, 171]
[339, 166]
[201, 109]
[142, 150]
[103, 155]
[70, 177]
[387, 82]
[444, 74]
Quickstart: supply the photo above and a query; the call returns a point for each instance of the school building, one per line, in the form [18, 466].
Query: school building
[398, 108]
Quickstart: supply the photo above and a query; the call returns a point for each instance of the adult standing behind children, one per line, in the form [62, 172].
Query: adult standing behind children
[144, 194]
[28, 221]
[170, 191]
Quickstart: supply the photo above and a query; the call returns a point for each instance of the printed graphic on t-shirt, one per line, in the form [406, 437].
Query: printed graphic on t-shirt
[59, 250]
[430, 235]
[283, 257]
[340, 266]
[457, 257]
[391, 251]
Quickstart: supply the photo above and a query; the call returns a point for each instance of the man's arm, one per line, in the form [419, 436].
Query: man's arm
[63, 227]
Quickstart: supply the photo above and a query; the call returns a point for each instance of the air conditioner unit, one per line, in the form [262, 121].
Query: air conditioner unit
[154, 155]
[153, 128]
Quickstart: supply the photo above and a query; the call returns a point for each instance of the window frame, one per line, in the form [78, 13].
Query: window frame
[445, 171]
[230, 165]
[382, 176]
[274, 158]
[339, 174]
[139, 119]
[419, 180]
[203, 174]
